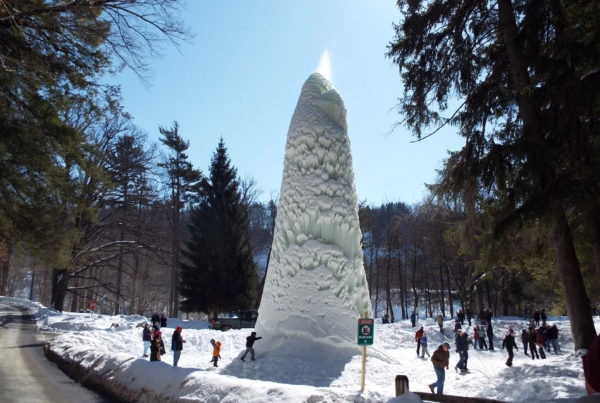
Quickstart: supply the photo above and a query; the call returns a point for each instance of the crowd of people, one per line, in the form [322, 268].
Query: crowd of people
[538, 339]
[152, 339]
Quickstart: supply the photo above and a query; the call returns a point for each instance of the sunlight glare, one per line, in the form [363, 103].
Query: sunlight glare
[325, 65]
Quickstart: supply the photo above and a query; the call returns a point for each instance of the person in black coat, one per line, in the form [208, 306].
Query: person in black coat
[525, 340]
[509, 344]
[532, 346]
[146, 338]
[490, 335]
[163, 320]
[177, 344]
[462, 345]
[249, 345]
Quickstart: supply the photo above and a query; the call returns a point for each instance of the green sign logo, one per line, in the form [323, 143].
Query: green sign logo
[365, 331]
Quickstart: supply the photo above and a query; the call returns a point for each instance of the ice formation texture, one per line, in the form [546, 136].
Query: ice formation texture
[316, 288]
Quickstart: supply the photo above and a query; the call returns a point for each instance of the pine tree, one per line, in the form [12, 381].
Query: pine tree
[526, 78]
[182, 182]
[220, 273]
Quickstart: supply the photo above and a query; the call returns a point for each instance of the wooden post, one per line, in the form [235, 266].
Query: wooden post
[364, 361]
[401, 384]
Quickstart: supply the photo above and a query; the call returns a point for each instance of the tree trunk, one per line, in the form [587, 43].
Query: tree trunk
[441, 295]
[593, 225]
[60, 282]
[578, 303]
[5, 253]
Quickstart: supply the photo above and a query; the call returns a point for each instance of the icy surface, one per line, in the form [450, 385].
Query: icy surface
[316, 288]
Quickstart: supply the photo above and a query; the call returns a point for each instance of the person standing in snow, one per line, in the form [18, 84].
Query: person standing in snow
[490, 335]
[440, 360]
[457, 326]
[413, 318]
[488, 318]
[250, 345]
[509, 344]
[482, 343]
[536, 318]
[469, 315]
[163, 320]
[475, 337]
[541, 342]
[532, 347]
[461, 349]
[155, 318]
[525, 340]
[543, 316]
[440, 322]
[424, 345]
[552, 338]
[146, 338]
[216, 353]
[461, 316]
[418, 336]
[177, 344]
[157, 347]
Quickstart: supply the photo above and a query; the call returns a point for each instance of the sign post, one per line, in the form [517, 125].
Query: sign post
[364, 338]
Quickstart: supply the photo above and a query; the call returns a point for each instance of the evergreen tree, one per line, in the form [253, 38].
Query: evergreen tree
[182, 183]
[52, 54]
[526, 78]
[128, 166]
[220, 273]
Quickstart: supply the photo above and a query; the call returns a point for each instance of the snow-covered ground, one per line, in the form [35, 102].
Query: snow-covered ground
[117, 353]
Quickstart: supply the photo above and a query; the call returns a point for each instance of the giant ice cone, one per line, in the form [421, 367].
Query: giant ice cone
[316, 288]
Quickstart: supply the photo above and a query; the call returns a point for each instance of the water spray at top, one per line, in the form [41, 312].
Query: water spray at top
[325, 66]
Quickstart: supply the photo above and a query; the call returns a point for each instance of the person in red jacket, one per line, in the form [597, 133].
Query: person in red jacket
[418, 336]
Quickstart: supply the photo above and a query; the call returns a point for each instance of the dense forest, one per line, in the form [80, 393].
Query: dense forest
[90, 210]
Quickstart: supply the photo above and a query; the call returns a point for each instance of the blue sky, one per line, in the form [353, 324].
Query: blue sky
[241, 76]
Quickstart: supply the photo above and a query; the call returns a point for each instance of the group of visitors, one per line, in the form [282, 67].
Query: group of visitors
[152, 339]
[536, 342]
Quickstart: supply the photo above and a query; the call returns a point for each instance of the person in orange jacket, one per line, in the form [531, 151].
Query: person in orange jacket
[216, 353]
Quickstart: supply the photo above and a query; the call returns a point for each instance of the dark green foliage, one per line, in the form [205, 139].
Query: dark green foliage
[525, 78]
[219, 274]
[182, 182]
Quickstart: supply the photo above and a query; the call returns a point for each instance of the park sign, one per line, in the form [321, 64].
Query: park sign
[365, 331]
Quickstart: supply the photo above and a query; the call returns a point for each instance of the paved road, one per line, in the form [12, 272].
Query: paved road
[25, 373]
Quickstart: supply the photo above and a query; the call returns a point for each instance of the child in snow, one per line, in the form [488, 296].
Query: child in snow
[249, 343]
[157, 347]
[424, 345]
[216, 353]
[482, 343]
